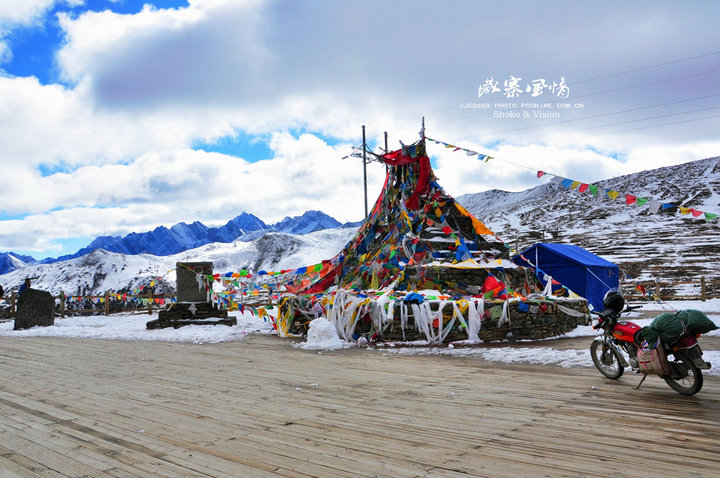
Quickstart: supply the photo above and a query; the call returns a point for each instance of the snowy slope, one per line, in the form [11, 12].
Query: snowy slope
[665, 245]
[100, 271]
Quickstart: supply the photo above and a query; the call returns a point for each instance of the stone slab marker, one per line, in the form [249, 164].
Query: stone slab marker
[193, 305]
[188, 289]
[34, 307]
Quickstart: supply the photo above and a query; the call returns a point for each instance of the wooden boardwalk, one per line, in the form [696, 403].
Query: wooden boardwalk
[82, 408]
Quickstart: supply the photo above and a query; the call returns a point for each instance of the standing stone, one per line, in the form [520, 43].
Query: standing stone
[188, 288]
[34, 307]
[193, 305]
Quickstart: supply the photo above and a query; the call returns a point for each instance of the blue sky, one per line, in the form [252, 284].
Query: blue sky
[119, 116]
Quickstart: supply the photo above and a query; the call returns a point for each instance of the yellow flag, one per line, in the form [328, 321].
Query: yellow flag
[374, 283]
[613, 194]
[684, 210]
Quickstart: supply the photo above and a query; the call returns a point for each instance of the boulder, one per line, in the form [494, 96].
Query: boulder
[34, 307]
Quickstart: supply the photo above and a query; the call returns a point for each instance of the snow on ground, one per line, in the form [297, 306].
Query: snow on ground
[132, 327]
[535, 355]
[322, 336]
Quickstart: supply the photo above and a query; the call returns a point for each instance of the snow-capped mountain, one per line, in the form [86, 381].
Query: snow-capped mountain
[163, 241]
[10, 261]
[100, 270]
[666, 245]
[311, 221]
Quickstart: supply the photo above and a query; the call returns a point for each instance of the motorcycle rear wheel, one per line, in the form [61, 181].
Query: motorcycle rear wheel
[606, 360]
[686, 378]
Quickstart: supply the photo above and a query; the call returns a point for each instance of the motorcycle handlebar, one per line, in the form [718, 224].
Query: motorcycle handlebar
[610, 314]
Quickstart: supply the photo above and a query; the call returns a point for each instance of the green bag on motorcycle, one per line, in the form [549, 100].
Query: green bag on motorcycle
[669, 327]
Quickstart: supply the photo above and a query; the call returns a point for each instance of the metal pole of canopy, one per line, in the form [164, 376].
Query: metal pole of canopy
[365, 170]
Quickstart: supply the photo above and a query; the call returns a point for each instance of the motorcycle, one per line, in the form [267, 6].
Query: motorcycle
[621, 338]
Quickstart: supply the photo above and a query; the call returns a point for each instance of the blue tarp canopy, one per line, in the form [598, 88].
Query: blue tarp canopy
[579, 270]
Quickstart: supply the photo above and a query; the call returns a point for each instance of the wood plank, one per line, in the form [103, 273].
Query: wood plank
[261, 407]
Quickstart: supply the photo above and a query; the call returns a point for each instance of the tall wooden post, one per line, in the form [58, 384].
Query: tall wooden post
[62, 304]
[107, 303]
[703, 291]
[365, 171]
[150, 301]
[12, 305]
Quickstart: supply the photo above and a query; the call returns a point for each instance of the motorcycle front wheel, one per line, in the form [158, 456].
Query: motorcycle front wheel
[606, 360]
[685, 378]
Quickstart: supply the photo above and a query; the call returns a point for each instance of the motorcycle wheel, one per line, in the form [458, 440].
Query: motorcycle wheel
[685, 378]
[606, 360]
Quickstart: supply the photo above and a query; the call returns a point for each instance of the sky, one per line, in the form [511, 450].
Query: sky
[119, 116]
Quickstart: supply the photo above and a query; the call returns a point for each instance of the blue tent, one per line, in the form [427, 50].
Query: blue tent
[580, 271]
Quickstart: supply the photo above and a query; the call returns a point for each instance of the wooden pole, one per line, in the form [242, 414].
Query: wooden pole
[365, 171]
[62, 304]
[107, 303]
[657, 289]
[703, 290]
[12, 305]
[150, 301]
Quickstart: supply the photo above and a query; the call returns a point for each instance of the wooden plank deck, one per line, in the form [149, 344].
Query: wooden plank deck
[91, 408]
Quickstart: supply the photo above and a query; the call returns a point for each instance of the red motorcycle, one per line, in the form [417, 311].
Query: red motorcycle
[621, 338]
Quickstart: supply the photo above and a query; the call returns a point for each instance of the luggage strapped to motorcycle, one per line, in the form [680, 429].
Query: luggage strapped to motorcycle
[653, 361]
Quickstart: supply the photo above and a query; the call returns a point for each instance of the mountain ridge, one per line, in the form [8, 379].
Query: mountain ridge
[164, 241]
[666, 244]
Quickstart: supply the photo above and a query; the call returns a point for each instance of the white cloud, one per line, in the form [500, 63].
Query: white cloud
[186, 185]
[14, 12]
[142, 88]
